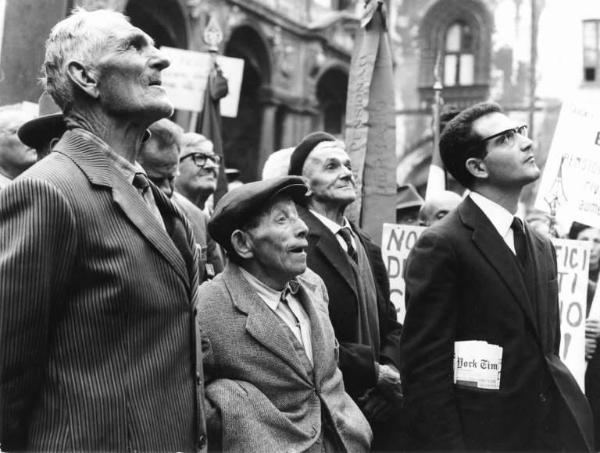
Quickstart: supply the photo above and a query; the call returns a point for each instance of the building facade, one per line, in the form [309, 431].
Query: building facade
[296, 52]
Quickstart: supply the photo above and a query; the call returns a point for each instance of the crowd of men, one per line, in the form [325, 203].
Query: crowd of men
[130, 320]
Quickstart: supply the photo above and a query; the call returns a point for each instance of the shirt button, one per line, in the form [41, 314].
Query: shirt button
[542, 397]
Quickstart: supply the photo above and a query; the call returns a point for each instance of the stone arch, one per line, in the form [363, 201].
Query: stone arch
[243, 136]
[331, 94]
[432, 34]
[164, 20]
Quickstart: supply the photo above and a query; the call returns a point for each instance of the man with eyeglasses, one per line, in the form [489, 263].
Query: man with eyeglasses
[480, 342]
[198, 169]
[15, 157]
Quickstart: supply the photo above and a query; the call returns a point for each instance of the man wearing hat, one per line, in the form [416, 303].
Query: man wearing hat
[272, 376]
[363, 317]
[43, 132]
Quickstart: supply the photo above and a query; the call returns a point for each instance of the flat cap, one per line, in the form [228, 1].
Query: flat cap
[302, 151]
[241, 204]
[48, 125]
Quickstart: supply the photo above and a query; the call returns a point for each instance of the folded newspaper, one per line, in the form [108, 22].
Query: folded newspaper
[477, 364]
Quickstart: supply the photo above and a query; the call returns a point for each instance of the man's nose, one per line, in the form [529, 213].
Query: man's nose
[167, 187]
[159, 60]
[300, 227]
[525, 143]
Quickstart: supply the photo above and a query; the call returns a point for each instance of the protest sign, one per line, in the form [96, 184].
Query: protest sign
[186, 77]
[573, 264]
[396, 243]
[570, 185]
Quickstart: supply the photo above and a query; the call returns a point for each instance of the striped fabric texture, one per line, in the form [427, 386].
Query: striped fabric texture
[96, 321]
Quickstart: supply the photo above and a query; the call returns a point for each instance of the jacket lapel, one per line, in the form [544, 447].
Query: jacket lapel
[262, 324]
[322, 239]
[540, 266]
[499, 256]
[95, 166]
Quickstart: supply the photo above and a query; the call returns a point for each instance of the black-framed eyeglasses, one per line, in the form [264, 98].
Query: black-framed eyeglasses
[508, 135]
[200, 159]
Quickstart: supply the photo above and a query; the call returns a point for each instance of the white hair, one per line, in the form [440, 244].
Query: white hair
[78, 37]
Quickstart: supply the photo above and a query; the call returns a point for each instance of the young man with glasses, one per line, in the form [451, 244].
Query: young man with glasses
[198, 169]
[481, 289]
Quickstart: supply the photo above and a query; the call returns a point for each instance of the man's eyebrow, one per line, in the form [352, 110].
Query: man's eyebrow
[139, 37]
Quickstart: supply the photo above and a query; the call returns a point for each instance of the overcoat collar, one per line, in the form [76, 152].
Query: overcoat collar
[501, 258]
[96, 167]
[324, 240]
[265, 327]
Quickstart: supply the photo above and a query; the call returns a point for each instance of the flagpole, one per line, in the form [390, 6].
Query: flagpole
[436, 180]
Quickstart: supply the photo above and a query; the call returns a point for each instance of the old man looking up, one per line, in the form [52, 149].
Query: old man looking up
[272, 377]
[97, 268]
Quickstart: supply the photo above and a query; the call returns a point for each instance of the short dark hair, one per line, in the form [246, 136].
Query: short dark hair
[460, 142]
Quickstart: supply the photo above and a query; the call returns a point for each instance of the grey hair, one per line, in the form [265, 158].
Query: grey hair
[193, 140]
[78, 37]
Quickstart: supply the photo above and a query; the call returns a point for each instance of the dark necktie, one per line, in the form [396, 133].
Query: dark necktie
[520, 240]
[140, 182]
[346, 235]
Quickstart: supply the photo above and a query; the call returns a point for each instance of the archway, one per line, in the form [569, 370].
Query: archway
[242, 135]
[163, 20]
[332, 89]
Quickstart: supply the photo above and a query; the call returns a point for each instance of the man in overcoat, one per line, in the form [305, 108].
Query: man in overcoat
[98, 274]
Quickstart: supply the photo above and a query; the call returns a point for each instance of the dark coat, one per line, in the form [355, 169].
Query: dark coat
[464, 283]
[96, 333]
[330, 262]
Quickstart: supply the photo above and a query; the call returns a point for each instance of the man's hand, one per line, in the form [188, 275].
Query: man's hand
[389, 384]
[590, 348]
[592, 328]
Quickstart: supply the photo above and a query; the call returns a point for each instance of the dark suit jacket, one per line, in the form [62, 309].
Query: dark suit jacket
[330, 262]
[464, 283]
[268, 400]
[96, 333]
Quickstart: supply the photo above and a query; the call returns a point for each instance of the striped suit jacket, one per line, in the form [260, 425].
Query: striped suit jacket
[96, 312]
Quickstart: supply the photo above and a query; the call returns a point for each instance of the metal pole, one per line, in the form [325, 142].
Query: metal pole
[533, 67]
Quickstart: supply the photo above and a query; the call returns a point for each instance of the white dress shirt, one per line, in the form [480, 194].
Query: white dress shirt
[293, 314]
[334, 228]
[500, 218]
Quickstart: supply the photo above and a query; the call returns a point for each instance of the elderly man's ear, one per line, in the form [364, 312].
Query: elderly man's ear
[84, 77]
[242, 244]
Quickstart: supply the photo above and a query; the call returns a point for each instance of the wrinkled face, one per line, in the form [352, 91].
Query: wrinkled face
[129, 75]
[510, 163]
[279, 243]
[198, 170]
[593, 236]
[329, 173]
[160, 164]
[15, 157]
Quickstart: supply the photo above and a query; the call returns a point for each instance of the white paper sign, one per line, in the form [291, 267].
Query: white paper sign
[186, 77]
[573, 264]
[477, 364]
[571, 179]
[396, 243]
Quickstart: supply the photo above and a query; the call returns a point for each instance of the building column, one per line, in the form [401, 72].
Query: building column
[267, 136]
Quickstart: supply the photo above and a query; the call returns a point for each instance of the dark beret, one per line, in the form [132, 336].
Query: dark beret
[240, 205]
[48, 125]
[302, 151]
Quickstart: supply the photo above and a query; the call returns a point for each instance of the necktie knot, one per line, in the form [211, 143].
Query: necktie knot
[346, 234]
[140, 182]
[517, 225]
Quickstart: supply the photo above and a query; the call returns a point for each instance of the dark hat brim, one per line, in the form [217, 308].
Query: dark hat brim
[39, 131]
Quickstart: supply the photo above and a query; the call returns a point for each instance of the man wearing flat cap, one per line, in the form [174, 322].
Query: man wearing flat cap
[363, 317]
[272, 378]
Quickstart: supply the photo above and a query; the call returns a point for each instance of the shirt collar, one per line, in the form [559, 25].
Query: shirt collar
[500, 217]
[330, 224]
[126, 168]
[269, 295]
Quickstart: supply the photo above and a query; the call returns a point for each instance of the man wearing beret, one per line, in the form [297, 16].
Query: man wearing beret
[363, 317]
[272, 378]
